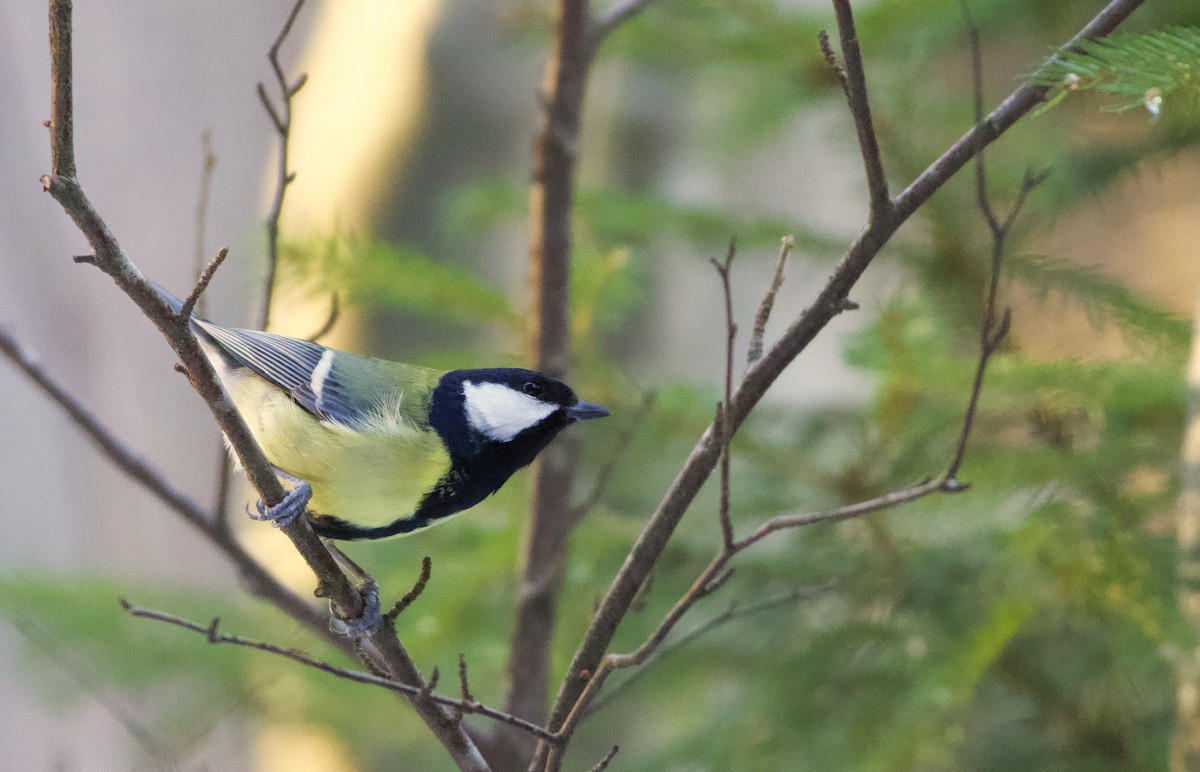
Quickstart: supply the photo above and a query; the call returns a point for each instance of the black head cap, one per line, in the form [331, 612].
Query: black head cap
[473, 409]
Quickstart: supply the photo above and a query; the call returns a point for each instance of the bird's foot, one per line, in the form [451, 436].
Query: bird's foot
[285, 512]
[367, 623]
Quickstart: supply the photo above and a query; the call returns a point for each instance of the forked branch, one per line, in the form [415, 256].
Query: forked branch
[345, 597]
[830, 301]
[466, 704]
[281, 119]
[855, 84]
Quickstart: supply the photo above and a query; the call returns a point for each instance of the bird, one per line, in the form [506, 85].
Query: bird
[370, 448]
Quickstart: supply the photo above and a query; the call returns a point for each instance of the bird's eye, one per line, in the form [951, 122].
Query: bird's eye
[532, 388]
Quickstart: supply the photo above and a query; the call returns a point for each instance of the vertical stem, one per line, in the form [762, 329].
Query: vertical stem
[829, 302]
[551, 199]
[62, 132]
[860, 108]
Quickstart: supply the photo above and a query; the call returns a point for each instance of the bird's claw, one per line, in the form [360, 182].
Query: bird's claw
[285, 512]
[367, 623]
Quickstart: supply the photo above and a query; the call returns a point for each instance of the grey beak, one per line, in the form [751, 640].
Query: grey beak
[581, 411]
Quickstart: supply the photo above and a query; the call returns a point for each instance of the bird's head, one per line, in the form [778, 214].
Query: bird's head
[520, 410]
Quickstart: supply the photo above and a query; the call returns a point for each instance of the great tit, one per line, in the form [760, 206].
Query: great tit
[388, 448]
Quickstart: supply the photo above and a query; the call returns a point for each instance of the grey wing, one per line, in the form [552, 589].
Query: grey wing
[303, 369]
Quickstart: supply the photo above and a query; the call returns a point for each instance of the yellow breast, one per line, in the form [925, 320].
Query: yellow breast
[370, 474]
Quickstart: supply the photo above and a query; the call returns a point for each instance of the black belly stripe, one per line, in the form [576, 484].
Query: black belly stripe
[337, 528]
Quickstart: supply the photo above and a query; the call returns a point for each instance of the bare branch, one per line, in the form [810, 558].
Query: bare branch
[153, 480]
[731, 613]
[831, 60]
[763, 373]
[855, 85]
[618, 15]
[347, 600]
[427, 690]
[992, 331]
[282, 120]
[608, 757]
[858, 509]
[463, 686]
[722, 416]
[710, 578]
[62, 102]
[110, 258]
[185, 312]
[1013, 108]
[137, 467]
[709, 581]
[220, 514]
[551, 197]
[414, 593]
[981, 193]
[282, 126]
[214, 635]
[716, 574]
[787, 244]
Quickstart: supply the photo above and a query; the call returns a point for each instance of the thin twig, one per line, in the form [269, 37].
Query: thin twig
[547, 533]
[711, 578]
[858, 509]
[143, 472]
[449, 732]
[703, 459]
[62, 103]
[981, 194]
[117, 452]
[282, 121]
[109, 257]
[618, 15]
[283, 179]
[717, 573]
[731, 613]
[463, 686]
[682, 492]
[787, 244]
[608, 757]
[213, 634]
[414, 593]
[832, 62]
[206, 177]
[992, 330]
[220, 513]
[722, 416]
[346, 599]
[185, 312]
[426, 691]
[860, 108]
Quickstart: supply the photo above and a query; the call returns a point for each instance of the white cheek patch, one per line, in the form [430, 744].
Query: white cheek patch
[501, 413]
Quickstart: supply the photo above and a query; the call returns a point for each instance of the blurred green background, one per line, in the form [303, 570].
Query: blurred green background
[1032, 622]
